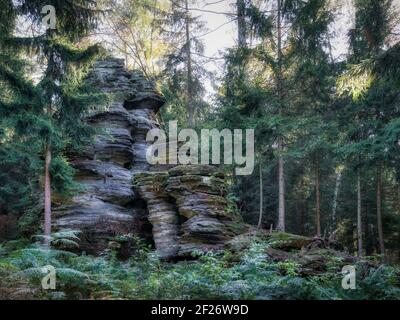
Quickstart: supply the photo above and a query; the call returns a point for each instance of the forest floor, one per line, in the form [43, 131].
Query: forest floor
[256, 265]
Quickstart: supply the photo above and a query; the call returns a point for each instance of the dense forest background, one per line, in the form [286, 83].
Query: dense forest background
[327, 127]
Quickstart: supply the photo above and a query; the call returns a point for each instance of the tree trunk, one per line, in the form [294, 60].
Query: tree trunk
[374, 235]
[317, 199]
[359, 222]
[302, 219]
[240, 7]
[379, 212]
[300, 207]
[261, 199]
[47, 194]
[281, 178]
[367, 232]
[281, 182]
[335, 197]
[298, 210]
[126, 56]
[189, 98]
[281, 219]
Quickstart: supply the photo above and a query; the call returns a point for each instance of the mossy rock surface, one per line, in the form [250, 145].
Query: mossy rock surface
[247, 236]
[153, 180]
[150, 177]
[200, 170]
[287, 241]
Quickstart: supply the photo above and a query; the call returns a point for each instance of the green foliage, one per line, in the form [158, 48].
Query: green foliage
[47, 114]
[328, 114]
[67, 239]
[251, 275]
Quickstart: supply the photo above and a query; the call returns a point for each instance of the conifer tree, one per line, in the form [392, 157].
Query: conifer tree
[64, 99]
[184, 73]
[19, 104]
[373, 98]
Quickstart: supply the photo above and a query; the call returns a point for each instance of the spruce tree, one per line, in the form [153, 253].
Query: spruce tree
[19, 123]
[374, 96]
[291, 53]
[64, 99]
[184, 73]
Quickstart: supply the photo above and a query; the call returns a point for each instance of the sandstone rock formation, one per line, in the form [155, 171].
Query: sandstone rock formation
[162, 212]
[178, 210]
[108, 205]
[188, 209]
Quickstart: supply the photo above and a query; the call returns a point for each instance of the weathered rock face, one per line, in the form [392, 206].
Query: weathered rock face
[179, 209]
[162, 212]
[108, 205]
[188, 209]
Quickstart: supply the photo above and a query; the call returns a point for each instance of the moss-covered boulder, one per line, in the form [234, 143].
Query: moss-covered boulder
[288, 241]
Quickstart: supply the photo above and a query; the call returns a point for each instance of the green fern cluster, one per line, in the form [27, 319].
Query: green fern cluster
[252, 275]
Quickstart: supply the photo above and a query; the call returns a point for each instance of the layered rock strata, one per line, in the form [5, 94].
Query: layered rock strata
[108, 206]
[178, 210]
[188, 209]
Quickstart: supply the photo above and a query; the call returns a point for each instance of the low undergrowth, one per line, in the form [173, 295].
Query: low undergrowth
[226, 275]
